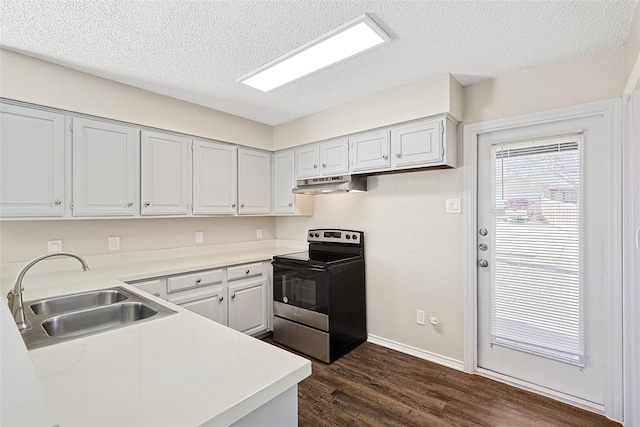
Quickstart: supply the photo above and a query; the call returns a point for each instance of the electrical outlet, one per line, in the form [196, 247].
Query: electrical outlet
[420, 317]
[55, 246]
[453, 206]
[114, 243]
[258, 233]
[199, 237]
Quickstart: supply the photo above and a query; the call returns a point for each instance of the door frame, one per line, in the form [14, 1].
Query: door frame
[610, 111]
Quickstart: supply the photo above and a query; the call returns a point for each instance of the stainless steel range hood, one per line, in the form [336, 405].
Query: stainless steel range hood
[334, 184]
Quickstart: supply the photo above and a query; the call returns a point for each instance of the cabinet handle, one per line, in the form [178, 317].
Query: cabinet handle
[221, 299]
[233, 296]
[57, 201]
[324, 165]
[384, 156]
[290, 204]
[147, 204]
[315, 166]
[129, 204]
[198, 280]
[247, 272]
[233, 205]
[398, 155]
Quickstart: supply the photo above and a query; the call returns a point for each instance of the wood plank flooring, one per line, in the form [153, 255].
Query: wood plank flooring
[376, 386]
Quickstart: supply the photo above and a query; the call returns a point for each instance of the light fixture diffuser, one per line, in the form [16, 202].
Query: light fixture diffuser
[350, 39]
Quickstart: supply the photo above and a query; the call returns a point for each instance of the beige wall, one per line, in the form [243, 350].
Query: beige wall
[31, 80]
[438, 95]
[573, 82]
[24, 240]
[632, 53]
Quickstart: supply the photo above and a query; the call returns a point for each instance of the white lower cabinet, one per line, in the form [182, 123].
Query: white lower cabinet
[236, 296]
[247, 306]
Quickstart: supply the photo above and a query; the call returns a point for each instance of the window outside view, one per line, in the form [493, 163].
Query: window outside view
[537, 284]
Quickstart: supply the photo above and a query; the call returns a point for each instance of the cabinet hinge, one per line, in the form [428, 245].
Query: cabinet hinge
[71, 126]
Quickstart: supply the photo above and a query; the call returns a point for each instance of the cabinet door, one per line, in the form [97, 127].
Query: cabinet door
[248, 306]
[417, 144]
[31, 162]
[105, 169]
[215, 178]
[213, 306]
[307, 161]
[283, 182]
[334, 156]
[370, 151]
[165, 174]
[254, 181]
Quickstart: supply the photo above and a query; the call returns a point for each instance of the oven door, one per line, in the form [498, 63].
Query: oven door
[301, 286]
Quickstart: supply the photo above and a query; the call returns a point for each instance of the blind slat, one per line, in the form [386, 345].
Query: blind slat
[536, 293]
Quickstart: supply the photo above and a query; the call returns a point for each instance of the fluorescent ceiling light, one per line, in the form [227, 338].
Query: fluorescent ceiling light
[350, 39]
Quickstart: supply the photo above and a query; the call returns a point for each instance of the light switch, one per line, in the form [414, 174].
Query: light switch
[453, 206]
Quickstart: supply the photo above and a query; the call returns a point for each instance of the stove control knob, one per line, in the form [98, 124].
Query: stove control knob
[310, 234]
[317, 235]
[348, 236]
[355, 237]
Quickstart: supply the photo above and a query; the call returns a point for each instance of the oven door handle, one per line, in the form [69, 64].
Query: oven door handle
[298, 267]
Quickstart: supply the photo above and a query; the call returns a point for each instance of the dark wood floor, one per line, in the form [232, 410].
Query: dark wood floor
[373, 385]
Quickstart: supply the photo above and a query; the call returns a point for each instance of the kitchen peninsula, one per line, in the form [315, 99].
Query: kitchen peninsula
[182, 369]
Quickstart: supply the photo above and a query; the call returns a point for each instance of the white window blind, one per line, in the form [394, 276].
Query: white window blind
[536, 292]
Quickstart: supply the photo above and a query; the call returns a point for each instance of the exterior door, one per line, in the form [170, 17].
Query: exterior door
[544, 240]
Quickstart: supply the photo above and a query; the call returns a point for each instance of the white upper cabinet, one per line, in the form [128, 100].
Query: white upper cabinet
[283, 182]
[32, 162]
[308, 161]
[417, 144]
[254, 181]
[105, 169]
[166, 174]
[334, 157]
[215, 178]
[323, 159]
[370, 151]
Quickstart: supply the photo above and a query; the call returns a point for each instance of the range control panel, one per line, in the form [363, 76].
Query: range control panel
[335, 236]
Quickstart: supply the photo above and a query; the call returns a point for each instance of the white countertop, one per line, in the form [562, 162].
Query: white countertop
[180, 370]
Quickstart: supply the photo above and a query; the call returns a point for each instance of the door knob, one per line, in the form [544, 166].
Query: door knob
[57, 202]
[398, 155]
[233, 296]
[483, 263]
[385, 157]
[324, 165]
[315, 166]
[147, 204]
[221, 299]
[129, 204]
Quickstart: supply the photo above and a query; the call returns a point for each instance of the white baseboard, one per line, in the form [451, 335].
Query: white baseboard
[417, 352]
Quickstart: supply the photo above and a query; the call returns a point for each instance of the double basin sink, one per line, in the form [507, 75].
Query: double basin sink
[64, 318]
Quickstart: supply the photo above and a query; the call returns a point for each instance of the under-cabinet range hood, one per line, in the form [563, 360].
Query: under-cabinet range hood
[334, 184]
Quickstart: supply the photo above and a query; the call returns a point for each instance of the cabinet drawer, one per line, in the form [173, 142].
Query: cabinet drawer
[188, 281]
[244, 271]
[153, 286]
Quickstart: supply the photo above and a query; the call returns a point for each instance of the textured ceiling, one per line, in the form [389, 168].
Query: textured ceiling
[196, 50]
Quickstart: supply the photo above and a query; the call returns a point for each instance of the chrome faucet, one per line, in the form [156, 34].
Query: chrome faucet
[14, 297]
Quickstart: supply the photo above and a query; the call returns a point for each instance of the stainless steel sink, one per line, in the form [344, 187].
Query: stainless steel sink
[68, 317]
[58, 305]
[96, 320]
